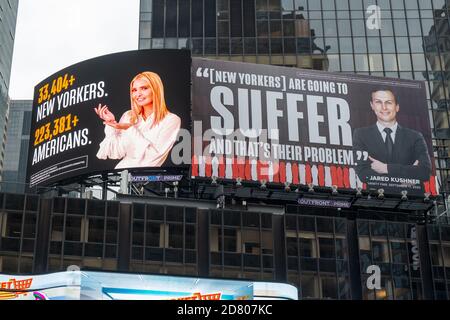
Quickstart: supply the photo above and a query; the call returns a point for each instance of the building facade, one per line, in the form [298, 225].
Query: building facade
[8, 16]
[16, 150]
[390, 38]
[326, 253]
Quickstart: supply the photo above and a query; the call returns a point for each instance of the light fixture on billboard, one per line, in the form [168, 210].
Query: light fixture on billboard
[310, 187]
[287, 186]
[404, 195]
[334, 189]
[214, 180]
[167, 190]
[426, 197]
[380, 193]
[175, 189]
[124, 181]
[219, 195]
[358, 191]
[263, 184]
[238, 182]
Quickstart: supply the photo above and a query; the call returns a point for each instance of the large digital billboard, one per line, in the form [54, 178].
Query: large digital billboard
[279, 124]
[119, 111]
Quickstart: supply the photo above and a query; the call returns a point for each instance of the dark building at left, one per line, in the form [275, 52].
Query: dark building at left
[8, 17]
[16, 150]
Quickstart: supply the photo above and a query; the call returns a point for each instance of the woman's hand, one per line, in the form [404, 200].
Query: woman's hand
[117, 125]
[104, 113]
[109, 118]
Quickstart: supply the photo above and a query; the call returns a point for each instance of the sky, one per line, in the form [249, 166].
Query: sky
[53, 34]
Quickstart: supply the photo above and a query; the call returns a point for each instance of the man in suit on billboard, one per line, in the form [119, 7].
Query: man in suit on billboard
[394, 151]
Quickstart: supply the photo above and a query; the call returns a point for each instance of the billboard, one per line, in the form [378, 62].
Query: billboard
[91, 285]
[54, 286]
[279, 124]
[114, 112]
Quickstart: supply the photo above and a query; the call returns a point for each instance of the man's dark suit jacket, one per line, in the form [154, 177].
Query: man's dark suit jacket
[409, 146]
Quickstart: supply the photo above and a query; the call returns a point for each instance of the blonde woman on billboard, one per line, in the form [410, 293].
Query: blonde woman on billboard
[144, 135]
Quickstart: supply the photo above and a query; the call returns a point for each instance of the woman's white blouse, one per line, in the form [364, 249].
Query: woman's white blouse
[140, 145]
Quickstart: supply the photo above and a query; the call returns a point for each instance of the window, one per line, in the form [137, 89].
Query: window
[375, 62]
[309, 286]
[360, 45]
[364, 243]
[190, 238]
[325, 225]
[446, 252]
[386, 27]
[183, 19]
[229, 240]
[250, 219]
[14, 201]
[399, 252]
[153, 234]
[232, 218]
[414, 27]
[347, 64]
[96, 228]
[138, 233]
[236, 18]
[158, 19]
[197, 18]
[155, 212]
[436, 258]
[326, 247]
[249, 18]
[390, 62]
[330, 29]
[146, 5]
[358, 27]
[267, 242]
[251, 242]
[171, 18]
[73, 228]
[341, 248]
[175, 236]
[404, 62]
[174, 214]
[57, 228]
[13, 223]
[380, 251]
[329, 287]
[308, 247]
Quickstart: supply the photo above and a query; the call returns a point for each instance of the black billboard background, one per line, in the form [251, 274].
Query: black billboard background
[411, 95]
[116, 70]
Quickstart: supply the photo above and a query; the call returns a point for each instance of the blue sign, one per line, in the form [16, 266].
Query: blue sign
[324, 203]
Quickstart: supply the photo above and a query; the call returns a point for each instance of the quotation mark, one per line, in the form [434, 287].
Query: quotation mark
[203, 73]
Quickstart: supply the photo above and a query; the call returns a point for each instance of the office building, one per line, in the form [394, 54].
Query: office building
[8, 16]
[16, 151]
